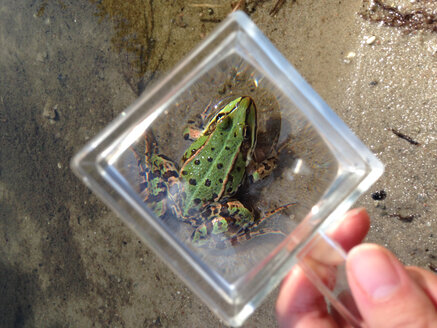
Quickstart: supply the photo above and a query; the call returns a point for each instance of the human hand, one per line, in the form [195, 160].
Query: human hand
[386, 293]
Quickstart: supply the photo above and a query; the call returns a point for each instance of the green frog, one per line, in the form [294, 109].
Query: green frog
[213, 168]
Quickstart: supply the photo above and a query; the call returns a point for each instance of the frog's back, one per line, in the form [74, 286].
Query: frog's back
[217, 165]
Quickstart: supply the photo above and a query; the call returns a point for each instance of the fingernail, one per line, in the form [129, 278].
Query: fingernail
[375, 272]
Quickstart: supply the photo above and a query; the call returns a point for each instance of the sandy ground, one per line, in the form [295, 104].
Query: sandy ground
[68, 68]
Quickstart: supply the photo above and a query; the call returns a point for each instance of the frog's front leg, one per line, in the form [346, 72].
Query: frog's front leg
[195, 129]
[260, 170]
[192, 133]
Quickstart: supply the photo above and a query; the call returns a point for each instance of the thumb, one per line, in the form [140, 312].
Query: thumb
[384, 292]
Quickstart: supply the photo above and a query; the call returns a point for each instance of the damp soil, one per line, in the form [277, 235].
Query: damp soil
[68, 68]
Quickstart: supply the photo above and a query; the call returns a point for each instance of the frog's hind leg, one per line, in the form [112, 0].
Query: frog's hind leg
[259, 171]
[158, 177]
[270, 213]
[246, 235]
[217, 223]
[253, 231]
[231, 224]
[150, 187]
[203, 236]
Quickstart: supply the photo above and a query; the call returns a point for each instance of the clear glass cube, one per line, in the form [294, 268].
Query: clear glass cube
[322, 168]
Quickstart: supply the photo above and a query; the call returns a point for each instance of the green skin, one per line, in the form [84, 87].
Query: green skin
[213, 168]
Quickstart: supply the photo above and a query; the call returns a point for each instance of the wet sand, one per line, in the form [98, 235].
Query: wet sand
[66, 70]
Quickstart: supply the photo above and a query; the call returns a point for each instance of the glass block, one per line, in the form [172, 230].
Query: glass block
[251, 230]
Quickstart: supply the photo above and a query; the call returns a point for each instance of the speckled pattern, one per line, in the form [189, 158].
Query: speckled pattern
[66, 260]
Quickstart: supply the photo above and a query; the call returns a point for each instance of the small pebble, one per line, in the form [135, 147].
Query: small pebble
[50, 111]
[351, 55]
[370, 40]
[379, 195]
[41, 56]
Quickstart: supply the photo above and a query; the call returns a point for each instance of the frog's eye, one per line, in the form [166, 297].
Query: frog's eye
[219, 116]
